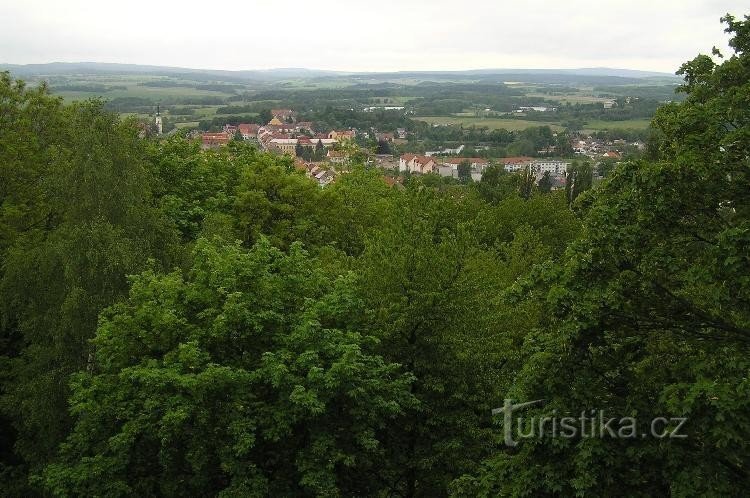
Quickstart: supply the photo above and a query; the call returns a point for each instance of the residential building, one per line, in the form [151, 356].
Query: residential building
[417, 164]
[550, 166]
[284, 115]
[342, 134]
[336, 156]
[512, 164]
[213, 140]
[248, 131]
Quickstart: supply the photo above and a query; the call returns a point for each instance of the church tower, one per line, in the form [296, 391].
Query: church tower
[157, 120]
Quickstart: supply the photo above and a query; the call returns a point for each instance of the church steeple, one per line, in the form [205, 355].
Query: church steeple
[157, 120]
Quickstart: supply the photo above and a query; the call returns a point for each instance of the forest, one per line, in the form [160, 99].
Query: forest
[181, 322]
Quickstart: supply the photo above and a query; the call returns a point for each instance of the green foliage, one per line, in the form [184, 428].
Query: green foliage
[545, 183]
[649, 314]
[78, 217]
[427, 287]
[464, 171]
[578, 179]
[237, 381]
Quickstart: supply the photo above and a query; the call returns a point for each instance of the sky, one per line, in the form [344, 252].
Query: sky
[366, 35]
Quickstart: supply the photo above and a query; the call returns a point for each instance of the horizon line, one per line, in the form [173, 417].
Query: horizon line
[344, 71]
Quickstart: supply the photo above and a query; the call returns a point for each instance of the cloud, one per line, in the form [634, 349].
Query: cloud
[365, 35]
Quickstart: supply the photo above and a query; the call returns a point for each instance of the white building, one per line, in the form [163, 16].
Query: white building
[554, 167]
[417, 164]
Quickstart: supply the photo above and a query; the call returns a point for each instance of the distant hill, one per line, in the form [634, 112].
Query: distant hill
[589, 71]
[600, 75]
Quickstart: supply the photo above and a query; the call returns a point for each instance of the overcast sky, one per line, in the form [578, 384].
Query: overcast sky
[365, 35]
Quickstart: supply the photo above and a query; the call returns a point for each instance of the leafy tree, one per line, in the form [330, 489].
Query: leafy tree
[427, 287]
[497, 184]
[578, 179]
[240, 380]
[545, 183]
[526, 182]
[563, 144]
[606, 166]
[265, 116]
[649, 313]
[193, 186]
[383, 147]
[276, 201]
[85, 221]
[464, 171]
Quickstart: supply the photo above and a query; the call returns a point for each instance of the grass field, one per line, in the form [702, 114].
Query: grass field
[187, 124]
[632, 124]
[513, 124]
[581, 98]
[141, 91]
[491, 123]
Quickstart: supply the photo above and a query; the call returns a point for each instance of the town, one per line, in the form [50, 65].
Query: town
[324, 154]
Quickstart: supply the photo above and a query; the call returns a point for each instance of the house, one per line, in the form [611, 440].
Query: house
[284, 115]
[612, 155]
[277, 126]
[417, 164]
[384, 137]
[386, 161]
[609, 104]
[287, 144]
[401, 133]
[324, 177]
[336, 156]
[248, 131]
[230, 129]
[342, 135]
[213, 140]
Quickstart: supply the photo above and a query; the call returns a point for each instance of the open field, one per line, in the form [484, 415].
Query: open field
[492, 123]
[581, 98]
[186, 124]
[192, 97]
[141, 92]
[631, 124]
[514, 124]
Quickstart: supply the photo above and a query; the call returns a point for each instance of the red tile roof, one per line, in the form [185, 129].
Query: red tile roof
[516, 160]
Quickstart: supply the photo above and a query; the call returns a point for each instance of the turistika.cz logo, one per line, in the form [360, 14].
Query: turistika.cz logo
[591, 424]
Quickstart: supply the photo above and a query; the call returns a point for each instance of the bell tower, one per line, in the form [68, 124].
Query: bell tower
[157, 120]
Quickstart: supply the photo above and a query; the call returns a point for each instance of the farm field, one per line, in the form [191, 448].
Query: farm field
[581, 98]
[631, 124]
[492, 123]
[190, 99]
[140, 91]
[514, 124]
